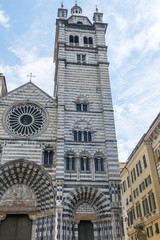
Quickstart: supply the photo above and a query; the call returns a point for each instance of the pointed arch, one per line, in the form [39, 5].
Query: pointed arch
[31, 174]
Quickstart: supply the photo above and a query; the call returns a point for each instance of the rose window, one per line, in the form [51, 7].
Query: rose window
[26, 120]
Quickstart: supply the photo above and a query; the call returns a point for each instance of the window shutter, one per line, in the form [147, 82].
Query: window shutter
[156, 157]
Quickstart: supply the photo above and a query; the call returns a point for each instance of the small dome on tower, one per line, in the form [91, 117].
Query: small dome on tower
[76, 9]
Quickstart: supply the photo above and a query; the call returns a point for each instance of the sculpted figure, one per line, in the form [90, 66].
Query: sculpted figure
[141, 234]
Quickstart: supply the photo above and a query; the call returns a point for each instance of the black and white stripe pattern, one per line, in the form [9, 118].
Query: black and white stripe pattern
[88, 194]
[31, 174]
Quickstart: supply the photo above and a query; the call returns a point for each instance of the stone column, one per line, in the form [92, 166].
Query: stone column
[102, 231]
[70, 230]
[95, 230]
[78, 169]
[92, 169]
[64, 230]
[34, 227]
[76, 230]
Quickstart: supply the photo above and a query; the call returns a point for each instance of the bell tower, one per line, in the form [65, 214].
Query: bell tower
[87, 168]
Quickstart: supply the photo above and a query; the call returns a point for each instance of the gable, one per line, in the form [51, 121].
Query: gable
[78, 19]
[28, 103]
[28, 92]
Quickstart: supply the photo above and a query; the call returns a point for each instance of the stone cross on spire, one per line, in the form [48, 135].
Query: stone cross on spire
[30, 76]
[96, 8]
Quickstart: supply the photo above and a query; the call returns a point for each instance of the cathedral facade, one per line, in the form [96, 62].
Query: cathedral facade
[59, 171]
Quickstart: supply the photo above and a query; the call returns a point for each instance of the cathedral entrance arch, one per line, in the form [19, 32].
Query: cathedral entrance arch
[21, 173]
[85, 209]
[26, 191]
[16, 227]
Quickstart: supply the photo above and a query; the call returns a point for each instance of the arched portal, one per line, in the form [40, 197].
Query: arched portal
[32, 175]
[97, 215]
[26, 191]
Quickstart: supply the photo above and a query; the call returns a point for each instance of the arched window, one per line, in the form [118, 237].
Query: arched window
[48, 157]
[75, 135]
[70, 162]
[85, 136]
[90, 40]
[85, 40]
[71, 39]
[76, 39]
[99, 165]
[87, 164]
[89, 137]
[82, 107]
[79, 136]
[84, 164]
[82, 136]
[78, 107]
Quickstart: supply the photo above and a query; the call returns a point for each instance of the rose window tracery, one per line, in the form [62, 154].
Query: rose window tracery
[25, 120]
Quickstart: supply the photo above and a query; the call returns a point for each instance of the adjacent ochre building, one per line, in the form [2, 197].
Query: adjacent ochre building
[141, 187]
[59, 171]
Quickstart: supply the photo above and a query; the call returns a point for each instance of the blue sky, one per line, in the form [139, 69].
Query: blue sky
[27, 33]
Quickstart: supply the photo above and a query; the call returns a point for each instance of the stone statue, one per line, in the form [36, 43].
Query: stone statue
[141, 233]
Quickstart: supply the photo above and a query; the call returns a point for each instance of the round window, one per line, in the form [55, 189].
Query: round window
[26, 120]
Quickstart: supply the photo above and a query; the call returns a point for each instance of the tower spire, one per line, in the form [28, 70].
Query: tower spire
[62, 12]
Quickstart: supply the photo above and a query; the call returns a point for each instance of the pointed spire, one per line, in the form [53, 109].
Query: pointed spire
[62, 12]
[97, 17]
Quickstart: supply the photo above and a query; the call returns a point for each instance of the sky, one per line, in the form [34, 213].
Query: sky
[27, 34]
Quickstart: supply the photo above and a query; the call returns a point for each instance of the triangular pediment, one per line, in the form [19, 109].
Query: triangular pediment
[79, 19]
[28, 92]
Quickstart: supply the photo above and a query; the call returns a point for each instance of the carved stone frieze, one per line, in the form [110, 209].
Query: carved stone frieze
[18, 198]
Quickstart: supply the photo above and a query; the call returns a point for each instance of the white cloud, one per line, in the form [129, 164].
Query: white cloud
[133, 38]
[41, 67]
[4, 19]
[136, 30]
[30, 51]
